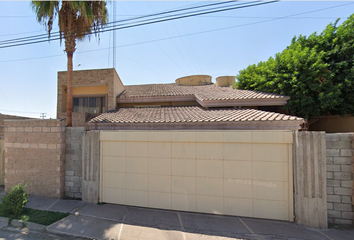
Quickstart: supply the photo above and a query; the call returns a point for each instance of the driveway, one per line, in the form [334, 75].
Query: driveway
[118, 222]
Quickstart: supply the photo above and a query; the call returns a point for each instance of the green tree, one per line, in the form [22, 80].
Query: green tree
[317, 72]
[76, 19]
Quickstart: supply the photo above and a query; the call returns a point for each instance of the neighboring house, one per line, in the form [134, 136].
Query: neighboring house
[101, 101]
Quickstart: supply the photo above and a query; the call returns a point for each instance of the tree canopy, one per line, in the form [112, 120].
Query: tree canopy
[317, 72]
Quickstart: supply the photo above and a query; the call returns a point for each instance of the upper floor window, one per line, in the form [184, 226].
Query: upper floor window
[89, 104]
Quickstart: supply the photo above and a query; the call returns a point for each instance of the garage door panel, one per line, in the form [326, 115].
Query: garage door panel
[238, 188]
[160, 150]
[217, 172]
[183, 150]
[160, 166]
[237, 169]
[114, 164]
[137, 198]
[137, 181]
[210, 204]
[137, 149]
[210, 186]
[159, 183]
[237, 151]
[209, 150]
[114, 180]
[114, 149]
[238, 206]
[184, 202]
[269, 190]
[184, 185]
[160, 200]
[270, 209]
[114, 195]
[137, 165]
[210, 168]
[270, 152]
[184, 167]
[269, 171]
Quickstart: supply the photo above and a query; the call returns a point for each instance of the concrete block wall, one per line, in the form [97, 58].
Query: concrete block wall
[340, 178]
[73, 171]
[35, 155]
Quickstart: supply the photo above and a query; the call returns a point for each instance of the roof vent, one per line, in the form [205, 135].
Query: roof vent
[225, 81]
[194, 80]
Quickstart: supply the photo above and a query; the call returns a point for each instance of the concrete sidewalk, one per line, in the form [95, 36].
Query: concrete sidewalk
[120, 222]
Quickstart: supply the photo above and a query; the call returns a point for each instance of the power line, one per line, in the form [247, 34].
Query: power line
[156, 20]
[119, 21]
[128, 15]
[184, 35]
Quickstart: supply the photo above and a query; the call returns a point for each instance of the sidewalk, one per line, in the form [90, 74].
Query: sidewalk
[120, 222]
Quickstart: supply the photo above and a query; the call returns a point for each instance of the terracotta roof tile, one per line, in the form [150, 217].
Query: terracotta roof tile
[187, 114]
[203, 92]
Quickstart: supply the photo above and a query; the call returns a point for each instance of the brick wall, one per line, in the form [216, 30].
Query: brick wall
[35, 154]
[73, 173]
[340, 178]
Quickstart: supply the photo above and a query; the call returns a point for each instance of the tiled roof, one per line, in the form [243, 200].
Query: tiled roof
[204, 92]
[188, 115]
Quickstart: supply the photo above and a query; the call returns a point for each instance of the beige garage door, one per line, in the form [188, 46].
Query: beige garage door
[242, 173]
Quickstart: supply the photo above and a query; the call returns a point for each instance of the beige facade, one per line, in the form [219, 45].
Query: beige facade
[241, 173]
[35, 155]
[98, 82]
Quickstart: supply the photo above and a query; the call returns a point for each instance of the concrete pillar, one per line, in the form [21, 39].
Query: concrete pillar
[91, 166]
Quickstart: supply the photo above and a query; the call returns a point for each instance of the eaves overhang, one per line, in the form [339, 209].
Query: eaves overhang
[293, 125]
[243, 102]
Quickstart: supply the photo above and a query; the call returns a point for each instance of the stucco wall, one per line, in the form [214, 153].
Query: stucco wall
[340, 178]
[35, 155]
[73, 166]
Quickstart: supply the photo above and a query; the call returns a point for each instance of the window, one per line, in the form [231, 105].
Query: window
[90, 104]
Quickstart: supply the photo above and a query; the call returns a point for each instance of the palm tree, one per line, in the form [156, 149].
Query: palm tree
[76, 20]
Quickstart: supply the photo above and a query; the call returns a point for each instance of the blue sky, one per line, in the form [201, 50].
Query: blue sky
[29, 73]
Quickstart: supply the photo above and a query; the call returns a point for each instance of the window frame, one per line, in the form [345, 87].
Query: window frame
[93, 95]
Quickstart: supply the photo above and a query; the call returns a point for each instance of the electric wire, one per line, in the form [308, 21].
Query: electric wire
[189, 34]
[143, 23]
[110, 23]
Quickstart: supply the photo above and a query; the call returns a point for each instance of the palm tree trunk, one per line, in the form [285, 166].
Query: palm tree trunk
[69, 101]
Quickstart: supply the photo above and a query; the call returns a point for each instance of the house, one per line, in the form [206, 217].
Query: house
[101, 101]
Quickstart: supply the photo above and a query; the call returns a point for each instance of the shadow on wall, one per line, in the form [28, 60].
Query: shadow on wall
[333, 124]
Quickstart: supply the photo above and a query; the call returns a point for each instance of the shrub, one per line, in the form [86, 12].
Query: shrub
[14, 202]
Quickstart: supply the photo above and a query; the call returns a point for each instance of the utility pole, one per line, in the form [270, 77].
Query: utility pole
[43, 115]
[114, 35]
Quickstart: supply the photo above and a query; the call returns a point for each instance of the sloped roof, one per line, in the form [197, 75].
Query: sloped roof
[205, 95]
[203, 92]
[191, 115]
